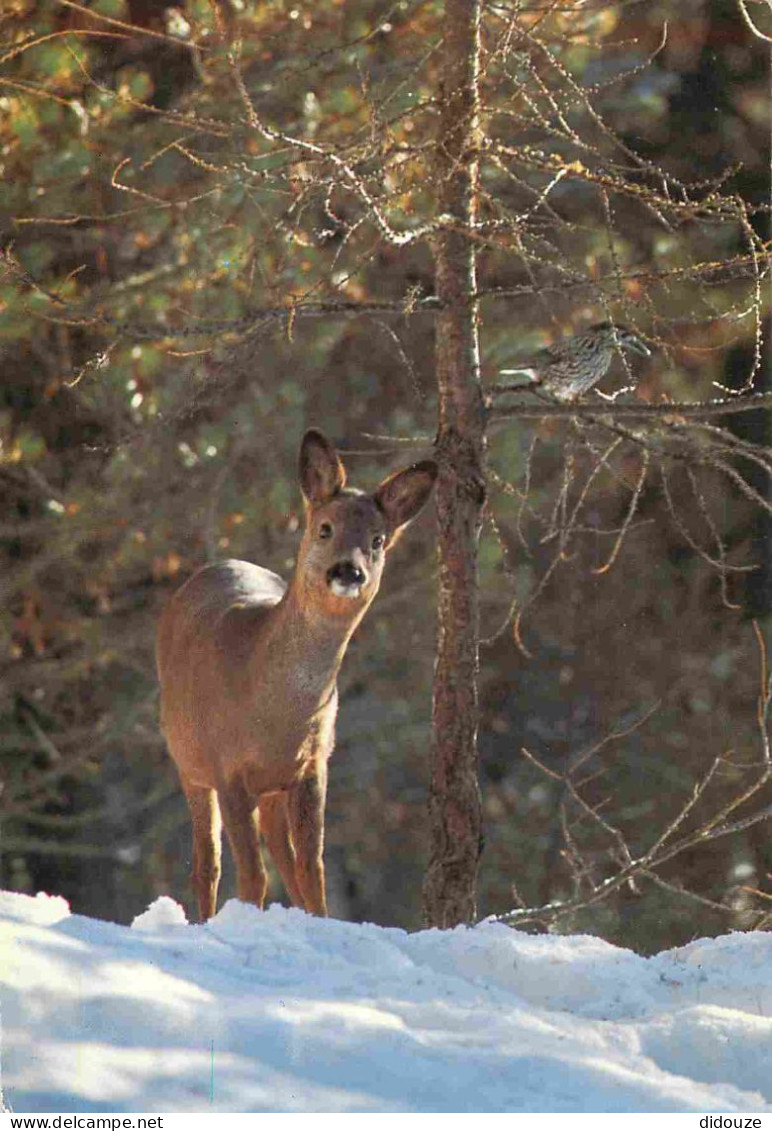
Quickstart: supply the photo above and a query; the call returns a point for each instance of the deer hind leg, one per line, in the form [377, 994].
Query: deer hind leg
[207, 848]
[305, 806]
[242, 824]
[274, 822]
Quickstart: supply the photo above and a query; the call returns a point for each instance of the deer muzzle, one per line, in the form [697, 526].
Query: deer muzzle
[346, 579]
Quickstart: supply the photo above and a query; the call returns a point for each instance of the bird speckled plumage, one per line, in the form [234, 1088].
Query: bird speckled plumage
[572, 366]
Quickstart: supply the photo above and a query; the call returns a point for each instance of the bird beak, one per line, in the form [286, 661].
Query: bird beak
[640, 347]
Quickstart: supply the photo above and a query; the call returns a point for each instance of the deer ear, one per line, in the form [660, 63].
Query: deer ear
[321, 472]
[403, 495]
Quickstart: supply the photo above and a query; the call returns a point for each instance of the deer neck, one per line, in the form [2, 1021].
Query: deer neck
[305, 644]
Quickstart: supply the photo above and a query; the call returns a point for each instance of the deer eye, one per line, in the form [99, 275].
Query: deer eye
[378, 542]
[325, 530]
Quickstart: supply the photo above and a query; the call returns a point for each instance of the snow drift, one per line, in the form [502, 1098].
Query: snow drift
[277, 1011]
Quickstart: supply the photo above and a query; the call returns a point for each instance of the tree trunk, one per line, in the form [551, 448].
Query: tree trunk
[454, 796]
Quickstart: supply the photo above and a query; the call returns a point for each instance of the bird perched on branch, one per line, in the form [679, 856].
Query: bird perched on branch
[571, 367]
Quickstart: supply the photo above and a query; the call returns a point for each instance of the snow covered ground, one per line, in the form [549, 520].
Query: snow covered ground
[276, 1011]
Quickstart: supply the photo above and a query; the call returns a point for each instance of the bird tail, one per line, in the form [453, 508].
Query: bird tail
[528, 377]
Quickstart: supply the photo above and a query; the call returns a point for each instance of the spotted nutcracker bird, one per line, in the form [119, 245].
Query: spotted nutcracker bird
[573, 366]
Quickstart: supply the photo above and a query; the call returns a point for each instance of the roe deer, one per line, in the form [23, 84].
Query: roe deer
[248, 668]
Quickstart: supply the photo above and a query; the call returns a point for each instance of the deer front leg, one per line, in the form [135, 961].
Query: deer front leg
[274, 822]
[305, 806]
[242, 824]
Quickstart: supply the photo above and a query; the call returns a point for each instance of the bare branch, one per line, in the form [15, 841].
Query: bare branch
[669, 413]
[664, 847]
[757, 32]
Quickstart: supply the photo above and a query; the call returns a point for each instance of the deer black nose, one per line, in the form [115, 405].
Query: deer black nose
[346, 573]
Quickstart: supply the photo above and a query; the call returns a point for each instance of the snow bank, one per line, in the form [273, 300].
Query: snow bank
[276, 1011]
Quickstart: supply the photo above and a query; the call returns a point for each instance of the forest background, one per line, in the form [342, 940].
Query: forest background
[184, 288]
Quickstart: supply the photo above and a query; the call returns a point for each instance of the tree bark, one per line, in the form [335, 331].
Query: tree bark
[454, 795]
